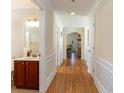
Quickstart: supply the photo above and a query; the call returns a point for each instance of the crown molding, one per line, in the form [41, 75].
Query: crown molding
[39, 3]
[95, 6]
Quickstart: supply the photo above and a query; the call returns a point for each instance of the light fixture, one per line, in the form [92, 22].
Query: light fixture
[73, 26]
[72, 13]
[73, 0]
[32, 22]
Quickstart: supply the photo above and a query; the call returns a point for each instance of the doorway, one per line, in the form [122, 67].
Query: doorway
[74, 42]
[91, 47]
[57, 49]
[73, 45]
[25, 40]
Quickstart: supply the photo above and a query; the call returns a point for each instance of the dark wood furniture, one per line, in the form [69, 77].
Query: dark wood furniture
[26, 74]
[68, 52]
[79, 52]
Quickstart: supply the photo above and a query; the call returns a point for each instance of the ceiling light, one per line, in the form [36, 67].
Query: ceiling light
[73, 0]
[32, 23]
[73, 26]
[72, 13]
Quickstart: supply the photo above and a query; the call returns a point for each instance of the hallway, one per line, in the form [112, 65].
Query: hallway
[72, 77]
[50, 30]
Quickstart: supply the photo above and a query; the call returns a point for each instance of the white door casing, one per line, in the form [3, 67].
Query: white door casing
[91, 46]
[65, 34]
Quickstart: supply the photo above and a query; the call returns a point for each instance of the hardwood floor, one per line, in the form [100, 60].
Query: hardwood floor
[72, 77]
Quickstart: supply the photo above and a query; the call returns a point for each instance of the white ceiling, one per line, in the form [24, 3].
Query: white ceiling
[73, 21]
[81, 7]
[22, 4]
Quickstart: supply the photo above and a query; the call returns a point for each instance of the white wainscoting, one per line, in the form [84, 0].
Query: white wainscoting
[50, 69]
[103, 75]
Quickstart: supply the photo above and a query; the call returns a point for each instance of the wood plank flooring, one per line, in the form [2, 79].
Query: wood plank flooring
[72, 77]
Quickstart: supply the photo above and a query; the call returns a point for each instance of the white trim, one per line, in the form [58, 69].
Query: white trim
[103, 68]
[50, 78]
[95, 6]
[52, 73]
[50, 57]
[39, 3]
[105, 61]
[105, 64]
[99, 86]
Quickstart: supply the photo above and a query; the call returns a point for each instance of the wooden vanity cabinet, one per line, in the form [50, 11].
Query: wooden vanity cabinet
[26, 74]
[32, 74]
[19, 74]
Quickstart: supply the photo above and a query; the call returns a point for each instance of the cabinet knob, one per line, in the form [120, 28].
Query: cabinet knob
[39, 55]
[22, 63]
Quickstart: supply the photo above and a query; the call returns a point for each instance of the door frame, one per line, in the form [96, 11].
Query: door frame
[82, 42]
[91, 47]
[57, 49]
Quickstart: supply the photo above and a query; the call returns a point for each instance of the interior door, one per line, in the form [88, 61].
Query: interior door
[58, 48]
[91, 48]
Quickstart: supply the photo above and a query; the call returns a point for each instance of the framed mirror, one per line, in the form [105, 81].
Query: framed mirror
[32, 36]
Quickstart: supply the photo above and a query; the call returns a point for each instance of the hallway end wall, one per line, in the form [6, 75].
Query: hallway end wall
[68, 30]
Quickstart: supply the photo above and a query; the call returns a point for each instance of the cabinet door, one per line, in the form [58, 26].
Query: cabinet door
[19, 73]
[32, 74]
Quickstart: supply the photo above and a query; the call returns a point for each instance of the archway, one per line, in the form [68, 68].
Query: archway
[67, 31]
[73, 44]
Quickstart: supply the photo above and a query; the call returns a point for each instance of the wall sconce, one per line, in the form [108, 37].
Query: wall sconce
[32, 22]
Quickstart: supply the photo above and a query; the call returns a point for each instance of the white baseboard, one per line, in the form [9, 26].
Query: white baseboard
[103, 75]
[48, 81]
[50, 78]
[50, 61]
[99, 86]
[50, 71]
[50, 57]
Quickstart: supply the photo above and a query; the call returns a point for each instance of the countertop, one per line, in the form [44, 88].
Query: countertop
[27, 59]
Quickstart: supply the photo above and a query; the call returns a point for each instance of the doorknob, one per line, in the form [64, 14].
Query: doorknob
[39, 55]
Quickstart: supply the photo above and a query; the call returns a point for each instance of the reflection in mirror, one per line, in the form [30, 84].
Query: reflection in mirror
[32, 36]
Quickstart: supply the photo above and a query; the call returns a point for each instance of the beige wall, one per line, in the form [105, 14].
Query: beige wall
[18, 29]
[49, 32]
[17, 38]
[104, 31]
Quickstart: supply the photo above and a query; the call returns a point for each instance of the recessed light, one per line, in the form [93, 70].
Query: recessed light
[73, 25]
[72, 13]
